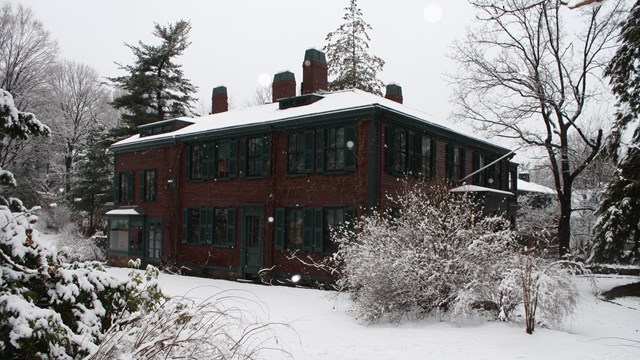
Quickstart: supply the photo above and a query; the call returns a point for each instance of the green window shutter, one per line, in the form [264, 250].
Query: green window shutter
[116, 187]
[450, 164]
[266, 156]
[280, 228]
[206, 226]
[411, 153]
[130, 188]
[476, 167]
[141, 185]
[350, 136]
[463, 161]
[390, 148]
[188, 162]
[318, 230]
[320, 150]
[307, 229]
[243, 157]
[231, 227]
[309, 147]
[233, 159]
[185, 225]
[434, 158]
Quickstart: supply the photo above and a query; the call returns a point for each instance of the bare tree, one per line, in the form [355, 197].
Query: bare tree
[77, 103]
[522, 76]
[262, 95]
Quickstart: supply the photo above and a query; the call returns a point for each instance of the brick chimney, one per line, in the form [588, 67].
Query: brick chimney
[314, 72]
[219, 100]
[394, 92]
[283, 86]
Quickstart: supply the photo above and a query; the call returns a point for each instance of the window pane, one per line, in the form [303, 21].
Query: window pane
[196, 161]
[223, 155]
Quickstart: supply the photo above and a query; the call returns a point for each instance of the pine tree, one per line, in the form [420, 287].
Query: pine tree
[620, 211]
[93, 183]
[155, 88]
[347, 50]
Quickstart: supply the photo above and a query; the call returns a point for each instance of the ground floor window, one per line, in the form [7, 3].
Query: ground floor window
[154, 239]
[210, 226]
[126, 234]
[309, 229]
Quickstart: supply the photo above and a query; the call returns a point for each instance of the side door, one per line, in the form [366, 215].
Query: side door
[252, 240]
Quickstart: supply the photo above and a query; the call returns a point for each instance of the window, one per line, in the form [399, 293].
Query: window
[215, 160]
[309, 229]
[409, 152]
[256, 157]
[148, 192]
[293, 239]
[455, 163]
[335, 149]
[195, 161]
[223, 159]
[154, 239]
[126, 234]
[295, 153]
[124, 187]
[209, 226]
[333, 217]
[480, 161]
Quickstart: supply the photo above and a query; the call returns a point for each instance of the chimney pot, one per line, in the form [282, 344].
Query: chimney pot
[394, 92]
[219, 100]
[283, 86]
[314, 72]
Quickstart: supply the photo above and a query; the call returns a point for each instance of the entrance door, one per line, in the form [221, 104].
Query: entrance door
[252, 240]
[154, 240]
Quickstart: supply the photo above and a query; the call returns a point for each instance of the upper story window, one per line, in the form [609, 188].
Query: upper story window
[256, 156]
[148, 182]
[295, 153]
[480, 161]
[124, 186]
[455, 163]
[409, 152]
[214, 160]
[335, 149]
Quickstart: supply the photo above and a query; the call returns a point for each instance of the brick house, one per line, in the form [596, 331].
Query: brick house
[228, 194]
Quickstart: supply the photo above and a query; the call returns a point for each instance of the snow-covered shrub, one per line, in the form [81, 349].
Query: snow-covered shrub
[435, 253]
[74, 246]
[50, 309]
[217, 328]
[547, 291]
[537, 222]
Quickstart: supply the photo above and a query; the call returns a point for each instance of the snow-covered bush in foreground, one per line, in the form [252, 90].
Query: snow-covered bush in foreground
[49, 309]
[437, 254]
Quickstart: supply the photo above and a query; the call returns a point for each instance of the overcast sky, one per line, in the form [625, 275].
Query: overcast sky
[235, 43]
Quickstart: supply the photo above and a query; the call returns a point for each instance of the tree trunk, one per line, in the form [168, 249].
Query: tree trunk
[564, 223]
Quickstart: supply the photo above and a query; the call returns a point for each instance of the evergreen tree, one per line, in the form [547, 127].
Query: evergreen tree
[620, 211]
[155, 88]
[347, 50]
[93, 184]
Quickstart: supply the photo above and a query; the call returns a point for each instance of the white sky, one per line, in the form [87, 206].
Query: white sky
[235, 42]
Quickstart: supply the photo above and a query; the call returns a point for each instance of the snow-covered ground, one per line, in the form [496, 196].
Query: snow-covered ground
[322, 327]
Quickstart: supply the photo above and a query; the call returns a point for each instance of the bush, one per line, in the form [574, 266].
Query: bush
[54, 310]
[435, 254]
[74, 246]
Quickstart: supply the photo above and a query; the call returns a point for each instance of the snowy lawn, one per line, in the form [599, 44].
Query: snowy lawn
[322, 327]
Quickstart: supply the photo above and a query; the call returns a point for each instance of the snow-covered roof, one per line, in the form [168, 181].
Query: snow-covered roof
[124, 211]
[476, 188]
[331, 103]
[526, 186]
